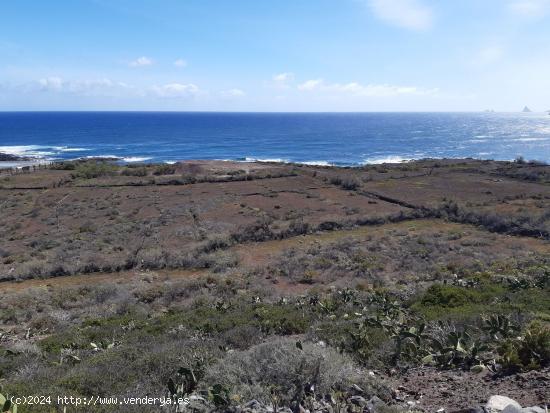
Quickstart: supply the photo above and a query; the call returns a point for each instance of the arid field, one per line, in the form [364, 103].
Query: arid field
[265, 287]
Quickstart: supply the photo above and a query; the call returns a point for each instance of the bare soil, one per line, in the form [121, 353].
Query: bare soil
[252, 221]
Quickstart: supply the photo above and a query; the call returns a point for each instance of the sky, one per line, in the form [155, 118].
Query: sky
[275, 55]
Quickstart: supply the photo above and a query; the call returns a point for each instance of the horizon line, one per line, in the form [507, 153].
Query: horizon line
[264, 112]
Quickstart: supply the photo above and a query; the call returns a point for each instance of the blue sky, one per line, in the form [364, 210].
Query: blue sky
[284, 55]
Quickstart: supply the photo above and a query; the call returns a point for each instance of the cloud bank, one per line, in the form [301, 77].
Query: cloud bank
[369, 90]
[180, 63]
[408, 14]
[86, 87]
[175, 90]
[233, 93]
[530, 8]
[141, 61]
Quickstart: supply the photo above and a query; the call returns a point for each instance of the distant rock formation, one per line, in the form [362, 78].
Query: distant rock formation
[526, 110]
[6, 157]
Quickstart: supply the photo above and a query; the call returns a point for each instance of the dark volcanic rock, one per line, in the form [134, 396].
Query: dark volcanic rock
[6, 157]
[101, 159]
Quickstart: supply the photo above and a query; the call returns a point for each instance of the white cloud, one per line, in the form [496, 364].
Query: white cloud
[409, 14]
[52, 83]
[180, 63]
[282, 80]
[176, 90]
[311, 84]
[141, 61]
[488, 55]
[86, 87]
[370, 90]
[530, 8]
[233, 93]
[283, 77]
[109, 88]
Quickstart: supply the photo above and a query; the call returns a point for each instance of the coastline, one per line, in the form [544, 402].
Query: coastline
[390, 161]
[320, 139]
[22, 164]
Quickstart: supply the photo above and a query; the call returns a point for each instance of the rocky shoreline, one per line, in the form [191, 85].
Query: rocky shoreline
[7, 157]
[10, 161]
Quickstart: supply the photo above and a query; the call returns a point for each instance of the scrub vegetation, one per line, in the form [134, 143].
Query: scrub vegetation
[276, 286]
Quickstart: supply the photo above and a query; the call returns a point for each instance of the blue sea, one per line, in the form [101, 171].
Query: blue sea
[313, 138]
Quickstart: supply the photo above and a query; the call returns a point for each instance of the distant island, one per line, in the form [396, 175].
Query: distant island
[526, 110]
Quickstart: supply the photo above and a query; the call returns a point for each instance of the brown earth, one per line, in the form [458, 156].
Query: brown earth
[433, 389]
[240, 219]
[64, 223]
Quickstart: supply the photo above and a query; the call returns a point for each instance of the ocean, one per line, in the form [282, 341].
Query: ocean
[311, 138]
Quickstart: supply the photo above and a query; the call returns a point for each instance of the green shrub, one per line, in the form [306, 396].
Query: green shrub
[165, 169]
[282, 319]
[287, 369]
[135, 171]
[439, 295]
[350, 184]
[64, 166]
[93, 169]
[528, 352]
[335, 180]
[447, 301]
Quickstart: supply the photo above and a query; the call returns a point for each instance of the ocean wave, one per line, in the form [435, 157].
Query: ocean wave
[315, 163]
[127, 159]
[278, 160]
[114, 157]
[27, 150]
[388, 159]
[131, 159]
[529, 139]
[67, 149]
[38, 151]
[40, 154]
